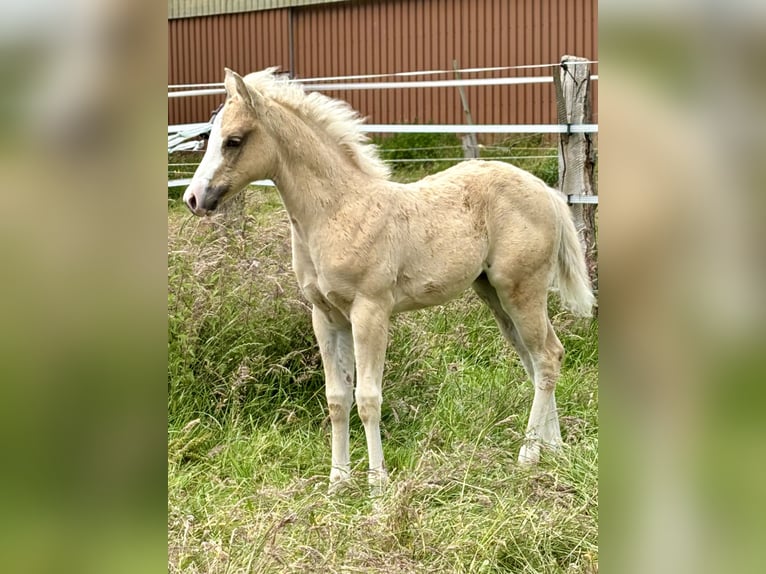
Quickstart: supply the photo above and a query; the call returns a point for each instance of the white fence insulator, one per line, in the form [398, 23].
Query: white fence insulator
[582, 199]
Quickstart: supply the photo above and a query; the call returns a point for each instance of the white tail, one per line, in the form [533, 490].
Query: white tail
[572, 275]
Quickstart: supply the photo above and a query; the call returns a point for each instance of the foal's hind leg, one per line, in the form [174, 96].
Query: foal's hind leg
[547, 354]
[487, 293]
[543, 427]
[526, 305]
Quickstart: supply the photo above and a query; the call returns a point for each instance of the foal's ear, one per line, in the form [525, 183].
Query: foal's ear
[235, 86]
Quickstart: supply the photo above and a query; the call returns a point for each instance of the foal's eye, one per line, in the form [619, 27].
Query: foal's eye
[233, 142]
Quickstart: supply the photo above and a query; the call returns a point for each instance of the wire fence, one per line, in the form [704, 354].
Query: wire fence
[186, 137]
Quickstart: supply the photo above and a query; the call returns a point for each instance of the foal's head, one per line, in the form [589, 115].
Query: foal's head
[240, 148]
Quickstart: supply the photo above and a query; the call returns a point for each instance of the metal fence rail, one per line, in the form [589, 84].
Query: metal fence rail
[181, 134]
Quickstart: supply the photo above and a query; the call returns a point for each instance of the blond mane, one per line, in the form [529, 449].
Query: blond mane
[336, 117]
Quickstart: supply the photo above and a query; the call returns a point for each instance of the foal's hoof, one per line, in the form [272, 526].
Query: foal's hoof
[378, 480]
[338, 487]
[529, 454]
[340, 480]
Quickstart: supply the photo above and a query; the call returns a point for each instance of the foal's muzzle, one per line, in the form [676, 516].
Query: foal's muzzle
[202, 199]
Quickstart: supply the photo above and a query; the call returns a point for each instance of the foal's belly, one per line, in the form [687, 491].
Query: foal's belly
[419, 292]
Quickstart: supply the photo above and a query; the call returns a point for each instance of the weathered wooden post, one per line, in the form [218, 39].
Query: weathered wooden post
[577, 155]
[470, 141]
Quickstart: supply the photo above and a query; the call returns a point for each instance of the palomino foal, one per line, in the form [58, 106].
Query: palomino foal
[365, 247]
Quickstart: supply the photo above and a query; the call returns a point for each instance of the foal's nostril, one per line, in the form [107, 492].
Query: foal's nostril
[193, 202]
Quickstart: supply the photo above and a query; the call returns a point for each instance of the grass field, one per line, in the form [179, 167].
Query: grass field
[248, 436]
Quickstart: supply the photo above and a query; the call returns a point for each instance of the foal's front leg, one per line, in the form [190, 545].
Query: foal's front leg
[369, 320]
[337, 349]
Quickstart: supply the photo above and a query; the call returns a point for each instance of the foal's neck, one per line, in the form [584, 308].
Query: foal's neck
[314, 177]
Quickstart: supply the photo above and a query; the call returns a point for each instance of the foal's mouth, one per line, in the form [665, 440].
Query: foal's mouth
[210, 201]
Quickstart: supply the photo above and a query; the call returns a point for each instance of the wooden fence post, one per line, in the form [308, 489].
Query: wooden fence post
[470, 141]
[577, 155]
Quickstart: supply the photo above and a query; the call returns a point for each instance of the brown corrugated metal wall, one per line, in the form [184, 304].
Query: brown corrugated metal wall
[199, 49]
[394, 36]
